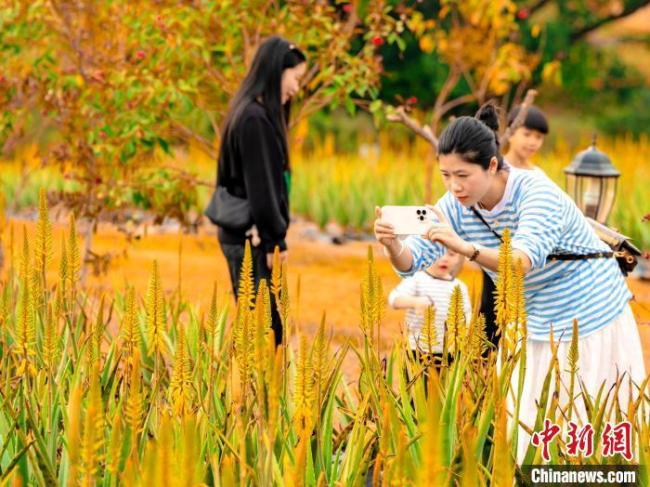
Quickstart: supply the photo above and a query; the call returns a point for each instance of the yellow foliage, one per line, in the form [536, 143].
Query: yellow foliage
[303, 398]
[320, 361]
[246, 292]
[432, 471]
[92, 441]
[73, 433]
[552, 73]
[456, 321]
[213, 314]
[25, 346]
[50, 340]
[74, 254]
[263, 340]
[134, 404]
[130, 336]
[429, 338]
[503, 473]
[155, 311]
[180, 387]
[243, 344]
[427, 44]
[43, 245]
[372, 300]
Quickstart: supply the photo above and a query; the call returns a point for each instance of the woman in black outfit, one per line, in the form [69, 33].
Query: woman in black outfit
[254, 160]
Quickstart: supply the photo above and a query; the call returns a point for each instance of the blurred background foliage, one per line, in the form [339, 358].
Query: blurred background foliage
[115, 105]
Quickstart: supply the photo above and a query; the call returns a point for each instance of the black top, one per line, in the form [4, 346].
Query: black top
[252, 163]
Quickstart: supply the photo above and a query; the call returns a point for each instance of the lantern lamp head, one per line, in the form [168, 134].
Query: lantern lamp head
[591, 182]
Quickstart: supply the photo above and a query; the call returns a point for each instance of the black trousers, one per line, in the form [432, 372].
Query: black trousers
[234, 255]
[487, 308]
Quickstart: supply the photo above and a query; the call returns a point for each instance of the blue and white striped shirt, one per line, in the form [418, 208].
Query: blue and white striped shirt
[543, 220]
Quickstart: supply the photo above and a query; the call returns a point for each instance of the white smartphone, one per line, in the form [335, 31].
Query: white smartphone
[409, 220]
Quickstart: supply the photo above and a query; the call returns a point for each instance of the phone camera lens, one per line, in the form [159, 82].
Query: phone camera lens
[419, 212]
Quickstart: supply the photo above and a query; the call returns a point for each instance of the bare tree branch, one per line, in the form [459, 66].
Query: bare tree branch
[628, 9]
[423, 131]
[447, 87]
[206, 145]
[456, 102]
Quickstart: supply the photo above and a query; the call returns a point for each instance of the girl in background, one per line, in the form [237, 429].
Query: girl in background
[254, 160]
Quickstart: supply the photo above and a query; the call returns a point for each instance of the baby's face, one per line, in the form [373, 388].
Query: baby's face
[448, 265]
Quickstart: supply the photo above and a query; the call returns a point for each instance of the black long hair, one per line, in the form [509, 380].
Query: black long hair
[474, 139]
[264, 81]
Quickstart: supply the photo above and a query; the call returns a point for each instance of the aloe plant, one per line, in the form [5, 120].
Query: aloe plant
[136, 386]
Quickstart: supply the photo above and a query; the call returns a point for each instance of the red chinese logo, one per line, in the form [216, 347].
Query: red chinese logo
[545, 437]
[616, 439]
[581, 441]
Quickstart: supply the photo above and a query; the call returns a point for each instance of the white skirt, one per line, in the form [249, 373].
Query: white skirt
[613, 350]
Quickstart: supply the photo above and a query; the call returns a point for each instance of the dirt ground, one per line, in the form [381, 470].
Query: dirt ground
[328, 277]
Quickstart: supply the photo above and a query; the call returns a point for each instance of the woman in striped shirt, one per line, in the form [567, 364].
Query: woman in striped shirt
[484, 197]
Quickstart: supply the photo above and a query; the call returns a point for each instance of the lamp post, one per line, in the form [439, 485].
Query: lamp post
[591, 182]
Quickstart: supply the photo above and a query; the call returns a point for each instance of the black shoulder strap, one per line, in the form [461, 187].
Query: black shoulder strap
[594, 255]
[476, 212]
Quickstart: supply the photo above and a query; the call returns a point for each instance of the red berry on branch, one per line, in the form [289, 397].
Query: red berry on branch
[102, 134]
[377, 41]
[139, 54]
[412, 100]
[523, 14]
[347, 8]
[98, 180]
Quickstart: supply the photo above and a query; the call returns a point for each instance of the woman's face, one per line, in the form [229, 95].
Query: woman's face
[291, 81]
[466, 181]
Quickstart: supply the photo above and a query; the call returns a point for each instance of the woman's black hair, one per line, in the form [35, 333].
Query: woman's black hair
[264, 81]
[473, 139]
[535, 119]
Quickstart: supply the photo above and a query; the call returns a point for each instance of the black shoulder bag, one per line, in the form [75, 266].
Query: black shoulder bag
[229, 211]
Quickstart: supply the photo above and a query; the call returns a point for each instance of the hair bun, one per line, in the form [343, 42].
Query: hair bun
[489, 116]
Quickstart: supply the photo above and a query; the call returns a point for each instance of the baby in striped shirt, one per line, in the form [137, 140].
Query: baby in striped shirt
[432, 286]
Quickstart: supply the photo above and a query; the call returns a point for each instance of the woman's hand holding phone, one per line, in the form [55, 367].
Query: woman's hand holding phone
[444, 233]
[384, 231]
